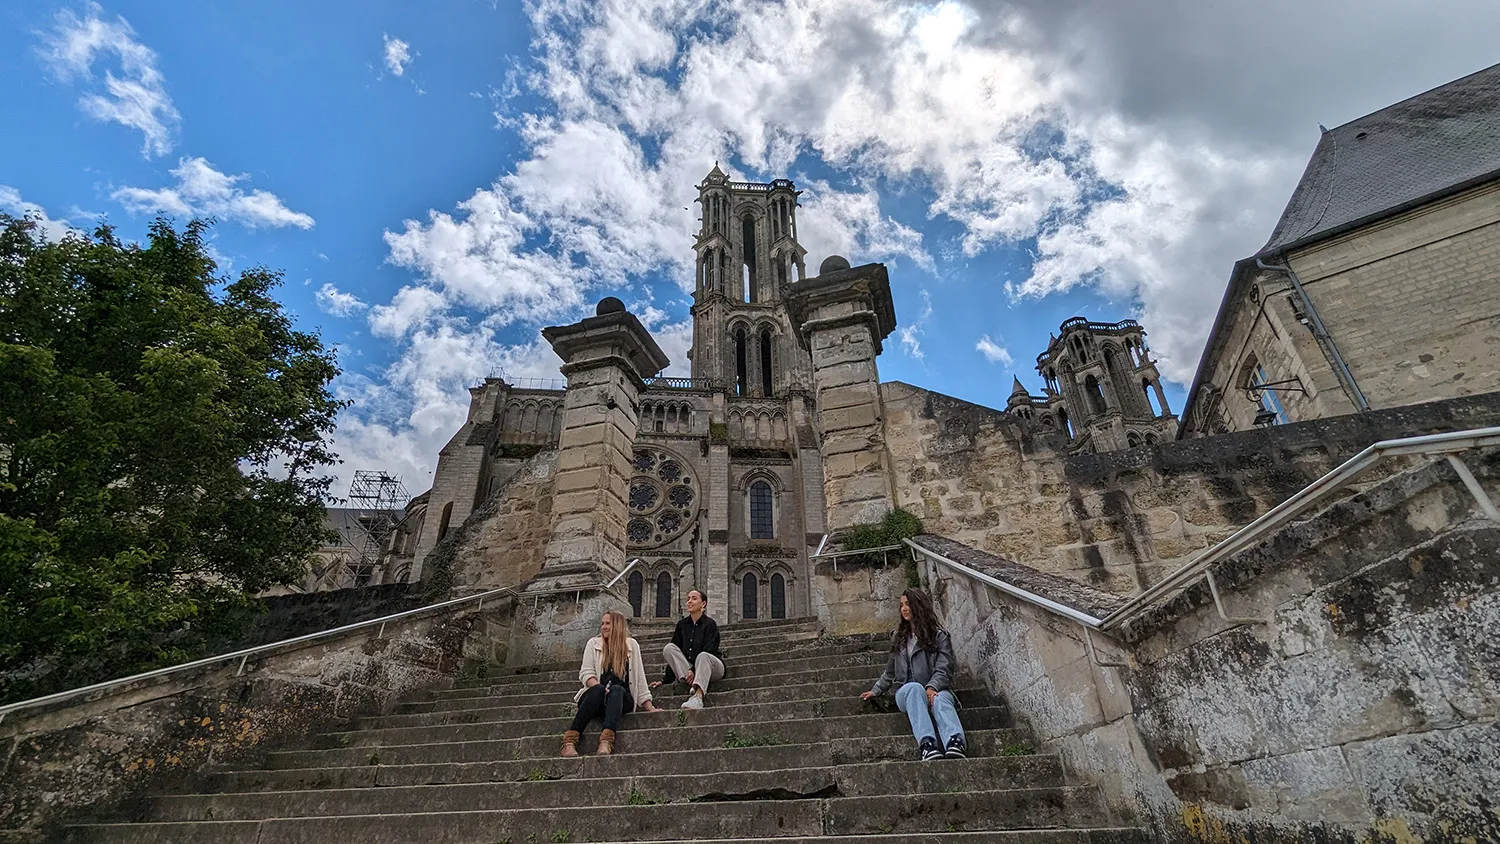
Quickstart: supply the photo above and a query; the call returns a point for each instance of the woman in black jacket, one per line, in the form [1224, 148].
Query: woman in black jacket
[921, 669]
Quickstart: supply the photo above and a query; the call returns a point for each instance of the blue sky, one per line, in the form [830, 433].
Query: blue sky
[439, 180]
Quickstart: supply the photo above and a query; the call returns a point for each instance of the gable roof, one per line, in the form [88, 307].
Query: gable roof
[1404, 155]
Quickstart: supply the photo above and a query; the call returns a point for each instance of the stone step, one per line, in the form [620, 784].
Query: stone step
[664, 696]
[715, 763]
[735, 638]
[857, 780]
[812, 656]
[715, 713]
[642, 627]
[634, 736]
[989, 716]
[734, 681]
[1030, 809]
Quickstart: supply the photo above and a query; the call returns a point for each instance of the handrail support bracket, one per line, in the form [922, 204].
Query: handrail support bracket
[1213, 587]
[1481, 497]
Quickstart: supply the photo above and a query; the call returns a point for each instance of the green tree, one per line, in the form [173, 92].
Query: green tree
[162, 441]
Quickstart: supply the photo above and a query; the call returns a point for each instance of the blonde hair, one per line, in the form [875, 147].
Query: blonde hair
[617, 646]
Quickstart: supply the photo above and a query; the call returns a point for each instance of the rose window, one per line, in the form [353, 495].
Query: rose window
[663, 498]
[644, 497]
[639, 531]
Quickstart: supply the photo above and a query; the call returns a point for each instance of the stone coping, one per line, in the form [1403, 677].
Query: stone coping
[1076, 595]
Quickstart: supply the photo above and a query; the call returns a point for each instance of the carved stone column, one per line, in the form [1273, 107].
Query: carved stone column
[841, 316]
[605, 357]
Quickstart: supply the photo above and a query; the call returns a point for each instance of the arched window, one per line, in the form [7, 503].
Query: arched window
[1096, 394]
[762, 523]
[740, 381]
[748, 597]
[1065, 422]
[637, 592]
[1150, 399]
[778, 596]
[663, 595]
[747, 244]
[443, 523]
[765, 361]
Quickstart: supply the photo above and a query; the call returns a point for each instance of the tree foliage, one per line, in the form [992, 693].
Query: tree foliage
[162, 435]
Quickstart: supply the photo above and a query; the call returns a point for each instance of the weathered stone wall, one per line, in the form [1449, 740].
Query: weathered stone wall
[1365, 709]
[1119, 520]
[84, 757]
[859, 597]
[503, 542]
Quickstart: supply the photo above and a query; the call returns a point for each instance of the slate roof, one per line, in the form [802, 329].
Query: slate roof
[1401, 156]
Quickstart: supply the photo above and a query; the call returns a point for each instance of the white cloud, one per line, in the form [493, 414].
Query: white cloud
[337, 302]
[992, 351]
[398, 55]
[1081, 131]
[203, 191]
[410, 308]
[12, 203]
[911, 335]
[136, 98]
[848, 223]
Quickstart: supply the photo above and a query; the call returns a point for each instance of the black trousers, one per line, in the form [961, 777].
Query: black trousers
[596, 702]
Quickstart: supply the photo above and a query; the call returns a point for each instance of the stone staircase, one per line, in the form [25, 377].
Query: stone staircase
[785, 749]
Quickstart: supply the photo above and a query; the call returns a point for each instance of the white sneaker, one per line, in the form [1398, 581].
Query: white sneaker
[693, 702]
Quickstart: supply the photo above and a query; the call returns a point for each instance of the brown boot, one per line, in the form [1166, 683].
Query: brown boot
[570, 743]
[606, 742]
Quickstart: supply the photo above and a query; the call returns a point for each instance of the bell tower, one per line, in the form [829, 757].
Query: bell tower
[747, 256]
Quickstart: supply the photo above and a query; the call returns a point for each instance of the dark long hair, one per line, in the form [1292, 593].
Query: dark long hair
[924, 622]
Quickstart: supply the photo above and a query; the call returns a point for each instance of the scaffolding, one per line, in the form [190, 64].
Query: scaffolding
[377, 500]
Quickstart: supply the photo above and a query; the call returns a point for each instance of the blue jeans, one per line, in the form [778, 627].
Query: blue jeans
[912, 699]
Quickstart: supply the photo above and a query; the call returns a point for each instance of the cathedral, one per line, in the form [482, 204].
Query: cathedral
[726, 490]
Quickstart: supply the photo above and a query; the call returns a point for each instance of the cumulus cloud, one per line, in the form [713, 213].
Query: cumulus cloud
[337, 302]
[132, 93]
[12, 203]
[1129, 148]
[992, 351]
[398, 55]
[202, 190]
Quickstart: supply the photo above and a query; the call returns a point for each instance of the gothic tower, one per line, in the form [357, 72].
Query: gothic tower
[747, 256]
[1102, 388]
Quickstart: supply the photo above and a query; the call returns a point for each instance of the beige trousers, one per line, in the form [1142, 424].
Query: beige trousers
[706, 668]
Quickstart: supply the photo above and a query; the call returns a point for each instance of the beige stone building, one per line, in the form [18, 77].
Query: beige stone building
[1380, 285]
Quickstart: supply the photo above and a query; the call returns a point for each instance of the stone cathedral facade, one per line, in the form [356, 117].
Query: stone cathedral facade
[726, 479]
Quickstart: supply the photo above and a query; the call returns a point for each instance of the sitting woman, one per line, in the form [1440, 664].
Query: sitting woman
[614, 683]
[921, 669]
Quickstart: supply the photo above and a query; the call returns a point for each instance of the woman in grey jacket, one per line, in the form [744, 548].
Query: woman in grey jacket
[921, 670]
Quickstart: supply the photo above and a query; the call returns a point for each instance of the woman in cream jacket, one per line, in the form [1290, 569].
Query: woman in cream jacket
[614, 683]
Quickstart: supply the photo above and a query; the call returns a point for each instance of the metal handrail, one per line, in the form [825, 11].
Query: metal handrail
[1430, 445]
[628, 566]
[244, 654]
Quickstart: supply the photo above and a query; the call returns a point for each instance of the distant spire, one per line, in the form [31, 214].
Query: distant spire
[1019, 389]
[716, 171]
[1322, 128]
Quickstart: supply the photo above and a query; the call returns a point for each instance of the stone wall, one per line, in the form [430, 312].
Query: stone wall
[84, 757]
[502, 543]
[1119, 520]
[857, 596]
[1409, 302]
[1414, 302]
[1364, 709]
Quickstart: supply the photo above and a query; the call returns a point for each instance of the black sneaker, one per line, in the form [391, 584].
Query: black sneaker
[929, 750]
[955, 749]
